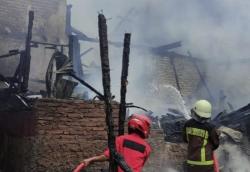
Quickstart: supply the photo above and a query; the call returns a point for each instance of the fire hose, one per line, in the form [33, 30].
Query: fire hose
[118, 159]
[216, 163]
[79, 167]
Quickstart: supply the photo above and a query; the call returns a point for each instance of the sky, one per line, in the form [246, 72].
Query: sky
[216, 31]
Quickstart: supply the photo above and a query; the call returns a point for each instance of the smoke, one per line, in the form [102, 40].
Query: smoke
[233, 159]
[170, 170]
[215, 31]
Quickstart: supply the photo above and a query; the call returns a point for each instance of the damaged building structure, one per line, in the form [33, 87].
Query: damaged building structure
[55, 132]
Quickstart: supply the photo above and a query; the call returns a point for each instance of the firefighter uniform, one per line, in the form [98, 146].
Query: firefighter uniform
[134, 149]
[202, 140]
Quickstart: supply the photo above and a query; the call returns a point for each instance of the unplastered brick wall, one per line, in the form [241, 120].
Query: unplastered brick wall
[186, 73]
[56, 135]
[69, 131]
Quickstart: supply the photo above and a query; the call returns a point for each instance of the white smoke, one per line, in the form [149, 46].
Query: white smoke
[170, 170]
[233, 159]
[216, 31]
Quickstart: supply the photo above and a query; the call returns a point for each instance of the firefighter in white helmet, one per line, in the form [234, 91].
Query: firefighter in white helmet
[202, 138]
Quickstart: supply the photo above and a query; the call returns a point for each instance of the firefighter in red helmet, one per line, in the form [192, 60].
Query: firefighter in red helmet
[132, 146]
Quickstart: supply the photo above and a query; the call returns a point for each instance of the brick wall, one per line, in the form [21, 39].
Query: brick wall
[58, 134]
[49, 26]
[186, 72]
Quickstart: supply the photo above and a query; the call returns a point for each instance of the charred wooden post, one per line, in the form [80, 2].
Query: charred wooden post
[106, 88]
[27, 52]
[115, 158]
[124, 75]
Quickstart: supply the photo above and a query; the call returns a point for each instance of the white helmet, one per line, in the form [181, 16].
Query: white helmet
[203, 109]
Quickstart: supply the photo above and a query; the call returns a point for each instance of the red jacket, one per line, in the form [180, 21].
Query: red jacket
[134, 149]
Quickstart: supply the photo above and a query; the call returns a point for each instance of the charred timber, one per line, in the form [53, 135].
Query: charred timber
[47, 43]
[27, 52]
[106, 88]
[10, 54]
[238, 119]
[115, 158]
[124, 75]
[100, 96]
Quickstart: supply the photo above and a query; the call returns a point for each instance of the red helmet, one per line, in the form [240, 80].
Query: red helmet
[141, 123]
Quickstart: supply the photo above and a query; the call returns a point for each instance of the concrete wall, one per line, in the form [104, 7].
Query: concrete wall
[49, 26]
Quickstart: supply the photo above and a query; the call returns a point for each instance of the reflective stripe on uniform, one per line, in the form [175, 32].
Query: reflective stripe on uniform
[204, 134]
[197, 132]
[203, 149]
[200, 162]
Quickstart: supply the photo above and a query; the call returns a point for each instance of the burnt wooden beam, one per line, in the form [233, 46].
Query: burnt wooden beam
[10, 54]
[115, 158]
[100, 96]
[124, 75]
[106, 89]
[47, 43]
[27, 52]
